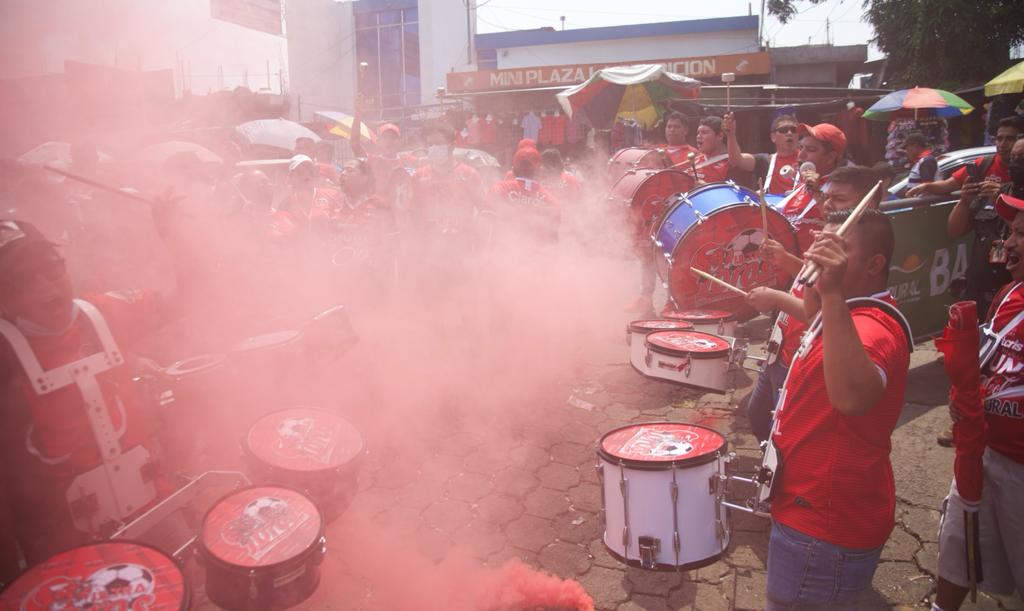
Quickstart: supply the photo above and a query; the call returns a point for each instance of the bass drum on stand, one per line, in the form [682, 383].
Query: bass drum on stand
[636, 159]
[645, 193]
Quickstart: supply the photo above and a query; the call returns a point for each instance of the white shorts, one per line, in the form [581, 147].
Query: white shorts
[1000, 530]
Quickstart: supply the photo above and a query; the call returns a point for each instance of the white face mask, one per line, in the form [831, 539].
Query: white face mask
[437, 153]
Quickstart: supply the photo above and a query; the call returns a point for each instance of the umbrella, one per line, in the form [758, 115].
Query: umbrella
[918, 102]
[1011, 81]
[56, 154]
[163, 152]
[959, 344]
[630, 92]
[341, 125]
[276, 133]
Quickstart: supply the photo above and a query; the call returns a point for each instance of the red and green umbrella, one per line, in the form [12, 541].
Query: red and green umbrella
[918, 103]
[629, 92]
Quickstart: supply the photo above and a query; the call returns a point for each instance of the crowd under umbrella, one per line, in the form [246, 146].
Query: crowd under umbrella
[918, 103]
[1010, 81]
[341, 125]
[274, 136]
[629, 92]
[55, 153]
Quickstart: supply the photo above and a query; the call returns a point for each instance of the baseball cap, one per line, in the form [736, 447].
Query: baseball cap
[526, 158]
[297, 161]
[390, 127]
[1008, 206]
[17, 239]
[527, 143]
[826, 132]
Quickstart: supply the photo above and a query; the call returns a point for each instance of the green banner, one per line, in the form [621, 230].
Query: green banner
[924, 263]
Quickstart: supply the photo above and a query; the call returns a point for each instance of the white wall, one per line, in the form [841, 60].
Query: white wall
[443, 43]
[629, 49]
[321, 56]
[36, 36]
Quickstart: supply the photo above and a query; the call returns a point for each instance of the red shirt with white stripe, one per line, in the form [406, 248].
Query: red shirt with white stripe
[791, 329]
[716, 171]
[836, 482]
[1002, 378]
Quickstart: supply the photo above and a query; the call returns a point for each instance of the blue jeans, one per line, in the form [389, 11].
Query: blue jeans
[807, 573]
[763, 399]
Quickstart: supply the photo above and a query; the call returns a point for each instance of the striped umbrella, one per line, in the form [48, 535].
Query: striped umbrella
[917, 103]
[341, 125]
[628, 92]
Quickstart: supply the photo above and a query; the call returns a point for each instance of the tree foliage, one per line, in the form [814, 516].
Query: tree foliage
[937, 43]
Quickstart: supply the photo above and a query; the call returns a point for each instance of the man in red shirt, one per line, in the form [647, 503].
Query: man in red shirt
[779, 169]
[995, 174]
[522, 206]
[834, 495]
[713, 160]
[1001, 521]
[76, 456]
[676, 147]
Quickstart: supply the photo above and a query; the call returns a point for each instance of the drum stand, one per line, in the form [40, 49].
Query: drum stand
[759, 479]
[157, 520]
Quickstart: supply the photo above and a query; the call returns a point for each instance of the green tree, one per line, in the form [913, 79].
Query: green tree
[937, 43]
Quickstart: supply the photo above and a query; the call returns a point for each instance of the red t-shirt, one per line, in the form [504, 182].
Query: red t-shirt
[784, 174]
[1002, 378]
[567, 189]
[836, 483]
[680, 154]
[997, 171]
[713, 172]
[445, 201]
[791, 328]
[525, 205]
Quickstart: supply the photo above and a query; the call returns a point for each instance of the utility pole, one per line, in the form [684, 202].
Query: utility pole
[828, 32]
[760, 28]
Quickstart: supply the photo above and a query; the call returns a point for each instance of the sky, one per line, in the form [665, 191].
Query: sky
[847, 28]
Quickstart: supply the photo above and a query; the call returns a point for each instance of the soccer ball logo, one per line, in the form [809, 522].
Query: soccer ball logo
[119, 582]
[669, 445]
[746, 244]
[265, 509]
[293, 430]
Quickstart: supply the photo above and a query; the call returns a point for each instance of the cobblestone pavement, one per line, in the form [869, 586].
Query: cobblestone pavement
[532, 493]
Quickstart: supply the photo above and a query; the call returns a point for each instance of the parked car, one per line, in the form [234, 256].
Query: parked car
[949, 162]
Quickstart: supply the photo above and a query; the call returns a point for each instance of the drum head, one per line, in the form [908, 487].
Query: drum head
[661, 445]
[726, 245]
[693, 344]
[646, 326]
[304, 439]
[195, 364]
[648, 191]
[268, 340]
[260, 526]
[107, 575]
[701, 316]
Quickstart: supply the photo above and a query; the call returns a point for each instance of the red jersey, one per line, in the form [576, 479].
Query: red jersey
[1002, 378]
[836, 482]
[527, 205]
[783, 173]
[567, 189]
[997, 171]
[716, 171]
[680, 155]
[445, 201]
[791, 328]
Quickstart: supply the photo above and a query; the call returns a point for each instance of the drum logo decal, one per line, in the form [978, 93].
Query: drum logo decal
[737, 261]
[659, 444]
[126, 587]
[302, 438]
[265, 522]
[690, 343]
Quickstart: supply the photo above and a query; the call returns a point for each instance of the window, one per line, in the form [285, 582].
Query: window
[388, 41]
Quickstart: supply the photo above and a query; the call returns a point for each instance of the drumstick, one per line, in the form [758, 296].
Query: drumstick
[692, 158]
[809, 274]
[764, 207]
[99, 185]
[708, 276]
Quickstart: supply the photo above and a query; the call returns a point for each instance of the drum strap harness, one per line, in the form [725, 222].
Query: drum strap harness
[105, 495]
[712, 160]
[990, 338]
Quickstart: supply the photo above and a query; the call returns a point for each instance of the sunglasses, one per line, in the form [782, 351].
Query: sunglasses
[789, 129]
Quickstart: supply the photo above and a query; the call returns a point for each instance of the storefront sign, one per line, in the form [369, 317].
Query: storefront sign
[567, 75]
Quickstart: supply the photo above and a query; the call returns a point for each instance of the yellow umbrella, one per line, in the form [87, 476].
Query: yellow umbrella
[341, 125]
[1011, 81]
[637, 105]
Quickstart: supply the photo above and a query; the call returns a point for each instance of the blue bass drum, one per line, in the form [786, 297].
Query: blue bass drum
[717, 228]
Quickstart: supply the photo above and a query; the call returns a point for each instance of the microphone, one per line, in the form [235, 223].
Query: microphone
[806, 167]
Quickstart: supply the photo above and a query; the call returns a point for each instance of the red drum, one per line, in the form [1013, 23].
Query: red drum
[716, 322]
[692, 358]
[262, 547]
[636, 333]
[111, 575]
[636, 159]
[717, 228]
[646, 194]
[310, 450]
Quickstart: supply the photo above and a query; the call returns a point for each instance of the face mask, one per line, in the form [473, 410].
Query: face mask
[437, 153]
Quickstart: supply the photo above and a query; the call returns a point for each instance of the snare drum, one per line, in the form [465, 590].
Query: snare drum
[695, 359]
[310, 450]
[717, 229]
[660, 494]
[636, 333]
[262, 547]
[716, 322]
[106, 575]
[645, 193]
[194, 379]
[635, 159]
[263, 366]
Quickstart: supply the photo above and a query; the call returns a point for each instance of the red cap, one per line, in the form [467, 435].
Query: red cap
[525, 158]
[826, 132]
[390, 127]
[1008, 207]
[527, 143]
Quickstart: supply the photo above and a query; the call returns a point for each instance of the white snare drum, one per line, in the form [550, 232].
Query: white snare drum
[716, 322]
[661, 495]
[194, 380]
[689, 357]
[636, 333]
